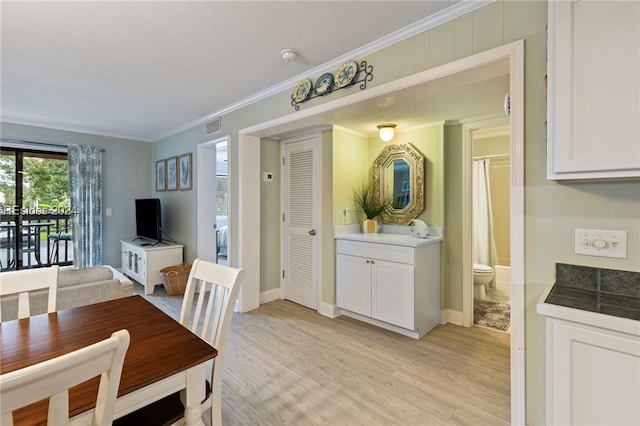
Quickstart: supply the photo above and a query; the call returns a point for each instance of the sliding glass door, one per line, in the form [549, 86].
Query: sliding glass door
[35, 209]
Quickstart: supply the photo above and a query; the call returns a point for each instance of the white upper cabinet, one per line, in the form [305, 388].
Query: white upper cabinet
[594, 90]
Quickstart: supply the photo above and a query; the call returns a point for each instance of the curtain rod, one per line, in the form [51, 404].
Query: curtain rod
[16, 143]
[486, 157]
[21, 142]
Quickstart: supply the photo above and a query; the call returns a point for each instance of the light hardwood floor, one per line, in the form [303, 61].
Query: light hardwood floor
[288, 365]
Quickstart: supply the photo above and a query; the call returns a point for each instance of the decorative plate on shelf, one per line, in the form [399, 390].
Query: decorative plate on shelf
[346, 73]
[302, 91]
[324, 83]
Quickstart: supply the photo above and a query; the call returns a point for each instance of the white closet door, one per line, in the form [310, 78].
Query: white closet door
[300, 195]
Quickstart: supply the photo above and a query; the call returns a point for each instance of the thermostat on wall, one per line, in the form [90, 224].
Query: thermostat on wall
[267, 177]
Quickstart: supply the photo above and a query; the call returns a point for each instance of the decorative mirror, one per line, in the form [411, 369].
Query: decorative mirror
[398, 177]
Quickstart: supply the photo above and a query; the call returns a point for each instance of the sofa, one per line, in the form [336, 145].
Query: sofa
[76, 287]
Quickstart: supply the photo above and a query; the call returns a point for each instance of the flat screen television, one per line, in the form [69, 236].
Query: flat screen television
[149, 219]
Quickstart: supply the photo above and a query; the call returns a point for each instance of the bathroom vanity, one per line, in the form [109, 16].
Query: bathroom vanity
[592, 346]
[389, 280]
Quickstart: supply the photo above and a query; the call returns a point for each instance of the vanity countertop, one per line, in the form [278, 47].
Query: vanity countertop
[595, 296]
[394, 238]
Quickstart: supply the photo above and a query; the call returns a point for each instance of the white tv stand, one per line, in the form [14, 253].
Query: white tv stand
[142, 260]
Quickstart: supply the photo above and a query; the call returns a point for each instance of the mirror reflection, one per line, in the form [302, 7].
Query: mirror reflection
[398, 181]
[398, 178]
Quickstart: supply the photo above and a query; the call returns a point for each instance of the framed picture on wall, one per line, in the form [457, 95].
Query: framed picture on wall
[161, 175]
[172, 173]
[184, 172]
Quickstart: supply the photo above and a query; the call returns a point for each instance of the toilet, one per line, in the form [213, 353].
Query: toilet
[482, 275]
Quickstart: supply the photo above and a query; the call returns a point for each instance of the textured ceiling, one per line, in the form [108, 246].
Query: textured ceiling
[141, 69]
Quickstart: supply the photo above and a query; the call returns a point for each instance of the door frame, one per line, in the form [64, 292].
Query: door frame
[206, 199]
[249, 176]
[317, 186]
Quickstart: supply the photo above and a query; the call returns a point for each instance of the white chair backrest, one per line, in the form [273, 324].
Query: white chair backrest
[219, 285]
[54, 377]
[25, 280]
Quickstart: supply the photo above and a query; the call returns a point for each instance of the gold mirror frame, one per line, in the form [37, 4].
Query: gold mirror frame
[381, 165]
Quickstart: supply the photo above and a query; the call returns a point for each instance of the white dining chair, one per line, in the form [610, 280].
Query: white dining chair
[209, 316]
[53, 378]
[25, 280]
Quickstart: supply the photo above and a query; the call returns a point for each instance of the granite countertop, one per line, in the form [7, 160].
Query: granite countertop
[603, 291]
[595, 301]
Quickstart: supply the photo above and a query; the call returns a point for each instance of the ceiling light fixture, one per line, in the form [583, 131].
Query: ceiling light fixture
[289, 55]
[386, 131]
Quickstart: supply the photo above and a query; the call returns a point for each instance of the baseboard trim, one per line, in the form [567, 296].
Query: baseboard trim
[329, 310]
[269, 295]
[451, 316]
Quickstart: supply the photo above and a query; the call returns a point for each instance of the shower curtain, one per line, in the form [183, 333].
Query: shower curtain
[484, 248]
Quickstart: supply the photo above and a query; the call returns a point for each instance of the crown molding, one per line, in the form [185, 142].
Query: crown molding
[75, 130]
[425, 24]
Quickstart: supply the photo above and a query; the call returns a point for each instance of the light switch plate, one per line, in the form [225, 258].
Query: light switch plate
[601, 243]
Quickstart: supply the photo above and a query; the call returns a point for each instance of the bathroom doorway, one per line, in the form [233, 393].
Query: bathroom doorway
[490, 192]
[487, 206]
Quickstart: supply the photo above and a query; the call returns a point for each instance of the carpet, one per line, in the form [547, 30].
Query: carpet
[492, 314]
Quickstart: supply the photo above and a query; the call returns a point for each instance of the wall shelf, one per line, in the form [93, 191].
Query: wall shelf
[364, 75]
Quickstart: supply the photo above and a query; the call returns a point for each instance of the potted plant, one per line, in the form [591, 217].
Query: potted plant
[370, 206]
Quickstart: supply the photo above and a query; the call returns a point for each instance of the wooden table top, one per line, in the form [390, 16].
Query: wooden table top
[160, 347]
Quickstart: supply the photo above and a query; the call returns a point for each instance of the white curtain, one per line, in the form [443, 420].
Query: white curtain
[484, 247]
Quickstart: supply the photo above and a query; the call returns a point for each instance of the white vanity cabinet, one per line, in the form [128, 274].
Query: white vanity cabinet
[143, 261]
[593, 90]
[393, 286]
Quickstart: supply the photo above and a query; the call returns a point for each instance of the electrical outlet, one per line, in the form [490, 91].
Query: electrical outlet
[593, 242]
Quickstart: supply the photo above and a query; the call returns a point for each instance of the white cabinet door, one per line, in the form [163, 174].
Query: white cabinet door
[353, 284]
[594, 90]
[594, 376]
[392, 293]
[133, 261]
[143, 264]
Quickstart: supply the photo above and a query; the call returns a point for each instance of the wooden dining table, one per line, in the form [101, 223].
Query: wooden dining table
[163, 356]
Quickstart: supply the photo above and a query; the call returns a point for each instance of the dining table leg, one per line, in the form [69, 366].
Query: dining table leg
[194, 395]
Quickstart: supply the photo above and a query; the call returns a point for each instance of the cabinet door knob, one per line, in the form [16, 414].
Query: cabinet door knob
[372, 262]
[312, 232]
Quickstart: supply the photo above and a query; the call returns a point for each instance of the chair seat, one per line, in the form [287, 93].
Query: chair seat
[163, 412]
